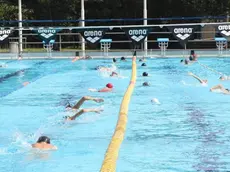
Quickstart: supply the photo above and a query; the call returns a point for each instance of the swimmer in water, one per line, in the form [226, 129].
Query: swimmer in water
[123, 59]
[143, 64]
[114, 74]
[146, 84]
[186, 62]
[78, 105]
[107, 88]
[82, 58]
[145, 74]
[71, 118]
[204, 82]
[105, 69]
[224, 78]
[82, 100]
[43, 143]
[142, 59]
[3, 65]
[114, 60]
[221, 88]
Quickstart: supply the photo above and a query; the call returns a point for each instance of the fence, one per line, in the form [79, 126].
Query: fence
[68, 39]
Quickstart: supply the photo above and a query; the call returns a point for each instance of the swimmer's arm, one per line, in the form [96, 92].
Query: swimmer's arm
[104, 90]
[101, 90]
[196, 77]
[217, 87]
[84, 111]
[81, 101]
[54, 148]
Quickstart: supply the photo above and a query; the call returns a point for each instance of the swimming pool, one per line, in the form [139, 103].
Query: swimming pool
[189, 131]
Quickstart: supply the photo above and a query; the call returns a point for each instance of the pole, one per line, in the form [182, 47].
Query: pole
[83, 25]
[20, 26]
[145, 24]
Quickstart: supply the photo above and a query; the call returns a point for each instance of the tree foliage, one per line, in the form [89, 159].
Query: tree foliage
[111, 9]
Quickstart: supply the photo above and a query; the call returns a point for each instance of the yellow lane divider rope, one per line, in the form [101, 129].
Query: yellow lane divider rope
[109, 163]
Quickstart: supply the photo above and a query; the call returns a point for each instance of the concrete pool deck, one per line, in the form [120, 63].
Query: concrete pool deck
[115, 54]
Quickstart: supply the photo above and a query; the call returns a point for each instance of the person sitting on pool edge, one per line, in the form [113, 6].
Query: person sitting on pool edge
[107, 88]
[202, 81]
[44, 144]
[221, 88]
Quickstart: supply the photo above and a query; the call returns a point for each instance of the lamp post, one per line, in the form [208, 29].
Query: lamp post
[83, 25]
[20, 26]
[145, 24]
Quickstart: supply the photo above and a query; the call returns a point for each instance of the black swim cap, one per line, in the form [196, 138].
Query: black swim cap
[143, 64]
[145, 74]
[122, 58]
[68, 105]
[114, 60]
[145, 84]
[43, 139]
[192, 52]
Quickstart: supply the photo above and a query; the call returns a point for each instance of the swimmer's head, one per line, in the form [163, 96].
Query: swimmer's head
[88, 57]
[141, 60]
[113, 74]
[181, 61]
[205, 81]
[68, 105]
[155, 100]
[192, 52]
[67, 117]
[109, 85]
[98, 67]
[143, 64]
[123, 58]
[145, 74]
[146, 84]
[222, 78]
[227, 89]
[44, 139]
[114, 60]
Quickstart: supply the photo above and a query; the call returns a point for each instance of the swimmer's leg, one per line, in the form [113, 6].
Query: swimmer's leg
[83, 99]
[84, 111]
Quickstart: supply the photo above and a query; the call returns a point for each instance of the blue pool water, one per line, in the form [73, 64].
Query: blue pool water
[189, 131]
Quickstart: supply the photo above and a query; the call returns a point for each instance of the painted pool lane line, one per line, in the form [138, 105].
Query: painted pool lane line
[4, 94]
[4, 78]
[7, 76]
